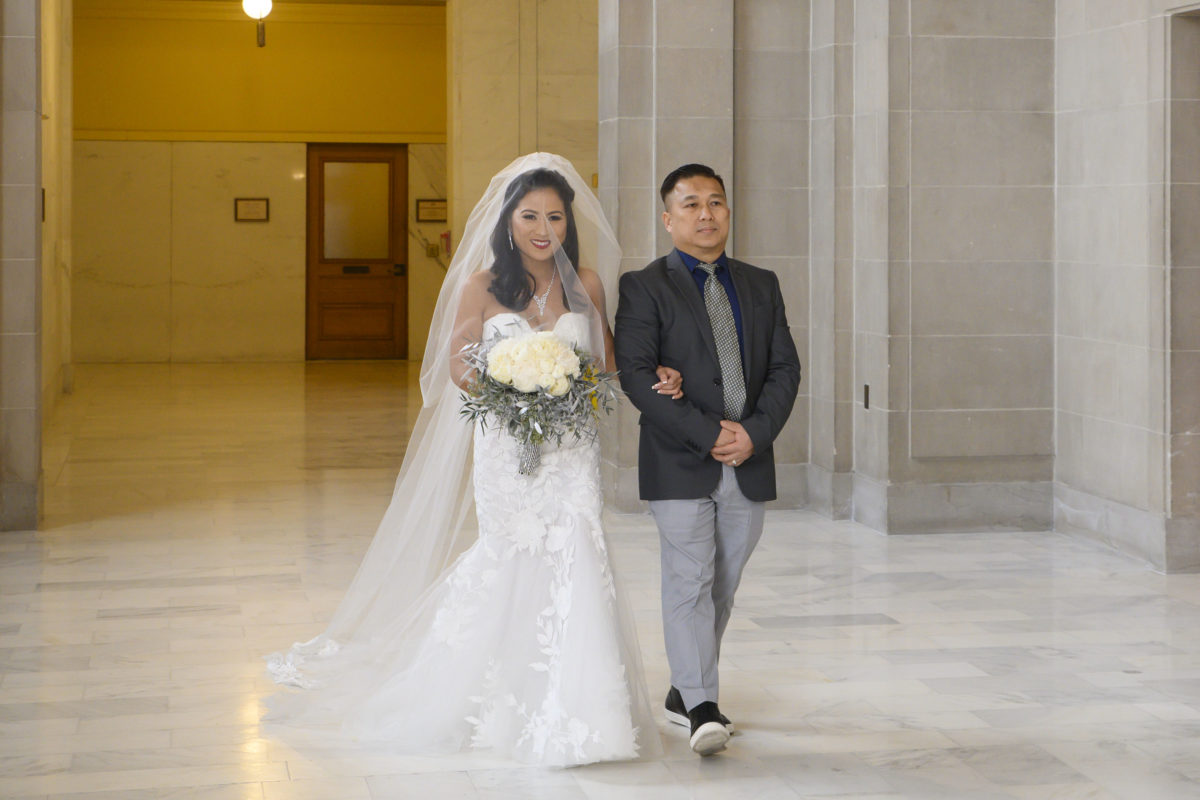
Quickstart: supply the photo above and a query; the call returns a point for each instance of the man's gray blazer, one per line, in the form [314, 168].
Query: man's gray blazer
[661, 319]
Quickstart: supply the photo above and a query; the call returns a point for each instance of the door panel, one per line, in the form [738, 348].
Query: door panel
[354, 204]
[357, 249]
[350, 321]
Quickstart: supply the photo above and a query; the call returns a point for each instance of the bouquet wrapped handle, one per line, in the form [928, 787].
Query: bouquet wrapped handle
[529, 457]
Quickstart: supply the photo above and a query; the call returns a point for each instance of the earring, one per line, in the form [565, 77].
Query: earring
[510, 244]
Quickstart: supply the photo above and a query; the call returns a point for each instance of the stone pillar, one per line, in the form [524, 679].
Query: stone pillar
[521, 78]
[20, 257]
[831, 258]
[770, 194]
[57, 157]
[874, 381]
[1126, 469]
[1182, 542]
[483, 109]
[666, 98]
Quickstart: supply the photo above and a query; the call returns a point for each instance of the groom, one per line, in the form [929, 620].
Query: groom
[705, 461]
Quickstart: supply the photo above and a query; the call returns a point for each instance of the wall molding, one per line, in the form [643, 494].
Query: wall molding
[286, 13]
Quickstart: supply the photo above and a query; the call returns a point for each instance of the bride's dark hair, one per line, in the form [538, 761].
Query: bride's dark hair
[510, 281]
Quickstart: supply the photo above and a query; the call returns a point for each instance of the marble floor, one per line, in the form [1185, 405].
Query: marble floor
[200, 516]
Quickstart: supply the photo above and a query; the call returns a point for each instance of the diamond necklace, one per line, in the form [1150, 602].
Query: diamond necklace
[540, 299]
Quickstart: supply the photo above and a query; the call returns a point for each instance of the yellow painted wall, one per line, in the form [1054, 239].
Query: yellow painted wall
[190, 70]
[56, 182]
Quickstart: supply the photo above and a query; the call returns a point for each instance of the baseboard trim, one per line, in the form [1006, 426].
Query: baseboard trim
[830, 493]
[1167, 545]
[969, 507]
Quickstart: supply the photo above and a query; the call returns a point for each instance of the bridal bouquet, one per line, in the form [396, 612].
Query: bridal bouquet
[538, 388]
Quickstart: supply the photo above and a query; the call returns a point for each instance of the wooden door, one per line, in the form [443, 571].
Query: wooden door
[357, 251]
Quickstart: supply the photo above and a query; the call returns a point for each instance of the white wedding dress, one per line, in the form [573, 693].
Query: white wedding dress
[522, 648]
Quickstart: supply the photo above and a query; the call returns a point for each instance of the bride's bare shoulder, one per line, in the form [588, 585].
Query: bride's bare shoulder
[476, 290]
[591, 282]
[479, 282]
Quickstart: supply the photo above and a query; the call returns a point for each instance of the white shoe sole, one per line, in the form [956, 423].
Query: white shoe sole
[681, 719]
[709, 738]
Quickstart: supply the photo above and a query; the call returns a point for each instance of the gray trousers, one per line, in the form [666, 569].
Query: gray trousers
[705, 544]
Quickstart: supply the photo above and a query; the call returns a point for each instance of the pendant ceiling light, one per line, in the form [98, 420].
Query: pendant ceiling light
[258, 10]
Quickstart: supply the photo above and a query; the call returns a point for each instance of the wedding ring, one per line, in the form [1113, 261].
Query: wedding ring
[734, 462]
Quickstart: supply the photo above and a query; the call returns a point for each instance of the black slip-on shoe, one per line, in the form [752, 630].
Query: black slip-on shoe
[708, 733]
[677, 713]
[725, 721]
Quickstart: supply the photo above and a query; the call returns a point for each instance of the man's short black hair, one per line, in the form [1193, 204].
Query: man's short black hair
[687, 171]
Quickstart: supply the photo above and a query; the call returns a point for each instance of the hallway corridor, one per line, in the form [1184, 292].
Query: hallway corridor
[200, 516]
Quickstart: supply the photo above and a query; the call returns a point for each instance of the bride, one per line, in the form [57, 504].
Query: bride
[496, 624]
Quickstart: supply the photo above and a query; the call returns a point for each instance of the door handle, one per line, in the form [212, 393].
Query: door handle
[399, 270]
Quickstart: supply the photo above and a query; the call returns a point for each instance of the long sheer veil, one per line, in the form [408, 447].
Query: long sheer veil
[430, 520]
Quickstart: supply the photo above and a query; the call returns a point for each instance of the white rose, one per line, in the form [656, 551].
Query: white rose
[500, 361]
[569, 364]
[501, 371]
[531, 377]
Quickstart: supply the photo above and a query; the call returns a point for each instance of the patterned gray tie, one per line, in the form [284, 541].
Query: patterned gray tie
[729, 353]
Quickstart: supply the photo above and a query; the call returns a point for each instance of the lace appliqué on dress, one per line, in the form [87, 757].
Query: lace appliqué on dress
[536, 517]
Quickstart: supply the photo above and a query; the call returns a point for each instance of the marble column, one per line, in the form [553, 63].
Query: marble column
[831, 257]
[1182, 547]
[521, 78]
[666, 77]
[57, 83]
[874, 379]
[1125, 207]
[770, 190]
[20, 264]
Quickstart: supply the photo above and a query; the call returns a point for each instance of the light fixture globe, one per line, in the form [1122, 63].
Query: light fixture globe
[256, 9]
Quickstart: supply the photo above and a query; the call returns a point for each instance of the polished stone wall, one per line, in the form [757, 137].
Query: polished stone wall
[164, 273]
[931, 177]
[20, 264]
[426, 179]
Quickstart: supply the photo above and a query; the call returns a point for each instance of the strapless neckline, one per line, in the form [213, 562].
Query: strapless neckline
[517, 318]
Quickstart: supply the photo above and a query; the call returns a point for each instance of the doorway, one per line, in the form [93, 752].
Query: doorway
[357, 243]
